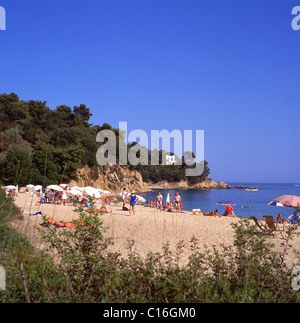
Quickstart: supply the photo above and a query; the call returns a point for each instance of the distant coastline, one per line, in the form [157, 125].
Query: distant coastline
[208, 184]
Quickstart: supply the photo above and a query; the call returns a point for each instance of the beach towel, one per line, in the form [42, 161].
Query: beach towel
[61, 224]
[39, 213]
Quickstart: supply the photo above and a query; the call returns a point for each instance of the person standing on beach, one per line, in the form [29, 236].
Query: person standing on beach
[64, 197]
[124, 196]
[132, 199]
[177, 201]
[159, 199]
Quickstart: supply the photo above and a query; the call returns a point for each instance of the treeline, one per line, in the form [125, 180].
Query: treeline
[43, 146]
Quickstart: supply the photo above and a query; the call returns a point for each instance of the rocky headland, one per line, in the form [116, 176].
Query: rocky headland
[115, 177]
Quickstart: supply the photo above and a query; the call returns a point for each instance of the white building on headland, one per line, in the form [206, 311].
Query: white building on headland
[170, 160]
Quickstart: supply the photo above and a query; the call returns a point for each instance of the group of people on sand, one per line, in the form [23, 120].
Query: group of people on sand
[216, 214]
[169, 207]
[175, 206]
[292, 219]
[10, 193]
[66, 197]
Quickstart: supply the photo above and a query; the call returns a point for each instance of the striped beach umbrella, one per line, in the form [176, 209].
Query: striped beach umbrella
[287, 200]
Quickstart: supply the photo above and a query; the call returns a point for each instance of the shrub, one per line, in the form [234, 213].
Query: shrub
[8, 210]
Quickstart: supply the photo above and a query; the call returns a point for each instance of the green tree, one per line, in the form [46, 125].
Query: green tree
[17, 164]
[45, 170]
[39, 114]
[63, 117]
[69, 159]
[8, 137]
[75, 136]
[12, 109]
[81, 115]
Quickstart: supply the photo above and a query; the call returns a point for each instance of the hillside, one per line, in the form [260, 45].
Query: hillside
[43, 146]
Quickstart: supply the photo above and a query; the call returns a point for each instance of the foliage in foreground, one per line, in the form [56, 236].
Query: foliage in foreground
[77, 266]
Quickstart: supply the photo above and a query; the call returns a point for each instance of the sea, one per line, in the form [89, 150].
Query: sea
[247, 203]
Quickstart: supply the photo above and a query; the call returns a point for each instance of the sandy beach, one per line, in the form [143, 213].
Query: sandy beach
[149, 228]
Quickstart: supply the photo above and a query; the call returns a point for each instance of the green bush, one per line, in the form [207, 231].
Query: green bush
[8, 210]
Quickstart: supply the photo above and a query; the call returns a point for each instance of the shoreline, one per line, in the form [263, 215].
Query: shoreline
[149, 228]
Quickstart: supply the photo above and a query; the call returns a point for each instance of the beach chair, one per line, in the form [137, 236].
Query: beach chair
[272, 225]
[263, 228]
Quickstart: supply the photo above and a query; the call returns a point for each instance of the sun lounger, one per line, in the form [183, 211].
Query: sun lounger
[263, 228]
[272, 224]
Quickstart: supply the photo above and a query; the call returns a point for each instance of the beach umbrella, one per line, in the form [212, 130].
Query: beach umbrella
[287, 201]
[10, 187]
[140, 199]
[30, 186]
[63, 185]
[106, 192]
[168, 198]
[229, 208]
[275, 203]
[78, 188]
[75, 192]
[92, 191]
[225, 202]
[55, 188]
[37, 187]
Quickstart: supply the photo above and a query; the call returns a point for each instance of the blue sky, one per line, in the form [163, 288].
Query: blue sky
[228, 67]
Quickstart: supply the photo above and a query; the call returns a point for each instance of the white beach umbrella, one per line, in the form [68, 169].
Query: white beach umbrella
[38, 187]
[92, 191]
[78, 188]
[63, 185]
[140, 199]
[10, 187]
[75, 192]
[168, 198]
[106, 192]
[30, 186]
[55, 188]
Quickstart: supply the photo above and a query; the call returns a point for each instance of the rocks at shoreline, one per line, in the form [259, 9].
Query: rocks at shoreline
[208, 184]
[114, 178]
[110, 177]
[241, 187]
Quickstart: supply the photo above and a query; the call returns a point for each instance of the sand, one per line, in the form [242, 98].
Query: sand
[149, 228]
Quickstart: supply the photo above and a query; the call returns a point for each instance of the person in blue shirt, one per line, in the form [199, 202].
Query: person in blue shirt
[132, 201]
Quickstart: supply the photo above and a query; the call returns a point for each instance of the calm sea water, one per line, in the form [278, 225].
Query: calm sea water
[257, 201]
